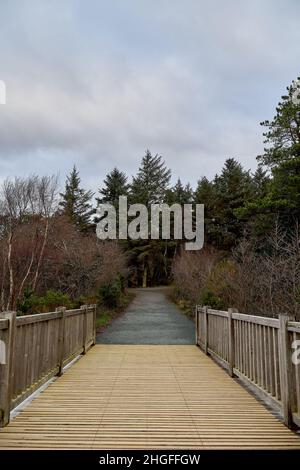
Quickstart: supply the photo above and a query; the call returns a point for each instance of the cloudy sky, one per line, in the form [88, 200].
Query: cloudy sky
[96, 82]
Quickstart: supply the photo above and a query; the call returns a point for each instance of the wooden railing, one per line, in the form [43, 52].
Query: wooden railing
[35, 348]
[263, 352]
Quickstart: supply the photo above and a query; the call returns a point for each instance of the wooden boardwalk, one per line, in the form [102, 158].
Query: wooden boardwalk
[150, 397]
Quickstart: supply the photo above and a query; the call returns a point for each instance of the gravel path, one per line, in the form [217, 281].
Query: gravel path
[150, 319]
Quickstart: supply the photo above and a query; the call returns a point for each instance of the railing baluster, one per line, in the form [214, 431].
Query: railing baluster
[231, 342]
[258, 350]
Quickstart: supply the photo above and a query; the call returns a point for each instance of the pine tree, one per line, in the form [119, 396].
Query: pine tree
[76, 202]
[115, 185]
[283, 134]
[205, 193]
[282, 156]
[150, 184]
[260, 182]
[179, 194]
[232, 190]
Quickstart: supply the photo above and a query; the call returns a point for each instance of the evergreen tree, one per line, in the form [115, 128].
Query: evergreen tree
[76, 202]
[282, 156]
[260, 182]
[188, 195]
[283, 134]
[256, 220]
[150, 184]
[285, 191]
[149, 258]
[281, 204]
[205, 193]
[179, 194]
[277, 197]
[183, 194]
[115, 185]
[232, 190]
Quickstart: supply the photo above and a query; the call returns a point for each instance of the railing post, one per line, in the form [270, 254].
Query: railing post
[285, 369]
[61, 340]
[196, 324]
[205, 312]
[6, 369]
[94, 322]
[84, 308]
[231, 349]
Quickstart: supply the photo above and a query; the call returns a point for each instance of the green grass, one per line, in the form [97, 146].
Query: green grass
[187, 307]
[106, 315]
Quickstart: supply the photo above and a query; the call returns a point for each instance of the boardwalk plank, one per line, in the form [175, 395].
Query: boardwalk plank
[142, 397]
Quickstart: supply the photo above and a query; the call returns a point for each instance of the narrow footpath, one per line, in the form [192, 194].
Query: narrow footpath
[150, 319]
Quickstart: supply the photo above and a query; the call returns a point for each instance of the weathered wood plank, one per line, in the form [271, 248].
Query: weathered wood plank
[39, 317]
[293, 326]
[256, 319]
[285, 367]
[217, 313]
[6, 369]
[143, 397]
[231, 342]
[3, 324]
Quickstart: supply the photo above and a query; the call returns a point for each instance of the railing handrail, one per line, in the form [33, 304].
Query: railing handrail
[259, 319]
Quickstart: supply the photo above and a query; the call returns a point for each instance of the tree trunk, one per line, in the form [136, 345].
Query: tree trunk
[3, 282]
[11, 274]
[41, 256]
[27, 272]
[165, 259]
[145, 276]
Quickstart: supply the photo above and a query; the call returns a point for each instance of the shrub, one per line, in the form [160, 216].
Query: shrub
[208, 297]
[32, 303]
[191, 271]
[256, 278]
[110, 293]
[53, 299]
[26, 304]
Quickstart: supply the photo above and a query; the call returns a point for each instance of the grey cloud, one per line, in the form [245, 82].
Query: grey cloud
[97, 83]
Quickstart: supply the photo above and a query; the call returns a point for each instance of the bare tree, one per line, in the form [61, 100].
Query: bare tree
[24, 201]
[47, 201]
[254, 279]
